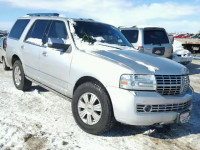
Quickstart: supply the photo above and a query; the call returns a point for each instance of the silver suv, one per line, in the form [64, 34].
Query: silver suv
[153, 40]
[94, 64]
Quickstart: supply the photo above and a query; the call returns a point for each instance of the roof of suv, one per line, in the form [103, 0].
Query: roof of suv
[138, 27]
[52, 16]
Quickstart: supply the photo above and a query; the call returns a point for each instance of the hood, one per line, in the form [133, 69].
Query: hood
[141, 63]
[181, 51]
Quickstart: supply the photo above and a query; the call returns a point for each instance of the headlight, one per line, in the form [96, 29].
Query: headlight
[138, 82]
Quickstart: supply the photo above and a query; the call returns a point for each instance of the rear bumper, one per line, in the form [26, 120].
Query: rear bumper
[125, 102]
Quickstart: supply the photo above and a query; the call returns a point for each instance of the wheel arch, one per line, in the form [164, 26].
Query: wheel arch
[86, 79]
[14, 58]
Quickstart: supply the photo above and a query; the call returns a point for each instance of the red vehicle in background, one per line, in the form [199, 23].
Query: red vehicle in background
[181, 36]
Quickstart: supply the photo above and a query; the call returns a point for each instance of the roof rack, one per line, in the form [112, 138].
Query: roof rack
[127, 26]
[43, 14]
[86, 19]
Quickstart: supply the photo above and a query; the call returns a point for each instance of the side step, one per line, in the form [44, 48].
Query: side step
[50, 89]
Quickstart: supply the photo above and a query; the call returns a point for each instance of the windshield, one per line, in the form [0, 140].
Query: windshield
[155, 36]
[97, 36]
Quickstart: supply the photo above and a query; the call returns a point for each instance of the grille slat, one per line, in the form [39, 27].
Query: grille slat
[165, 108]
[172, 84]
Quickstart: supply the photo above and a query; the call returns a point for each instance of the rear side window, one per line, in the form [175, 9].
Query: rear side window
[36, 34]
[18, 28]
[155, 36]
[131, 35]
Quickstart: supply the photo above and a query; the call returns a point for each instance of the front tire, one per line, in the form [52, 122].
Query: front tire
[92, 108]
[19, 79]
[5, 67]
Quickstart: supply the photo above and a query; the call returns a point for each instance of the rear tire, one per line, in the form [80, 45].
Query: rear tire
[5, 67]
[19, 79]
[94, 120]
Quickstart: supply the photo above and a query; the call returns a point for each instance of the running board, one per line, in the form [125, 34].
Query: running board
[50, 89]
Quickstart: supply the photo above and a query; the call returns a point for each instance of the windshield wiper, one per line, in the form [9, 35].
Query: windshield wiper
[110, 46]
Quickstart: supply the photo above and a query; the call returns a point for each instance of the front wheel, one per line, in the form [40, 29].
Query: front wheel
[19, 79]
[92, 108]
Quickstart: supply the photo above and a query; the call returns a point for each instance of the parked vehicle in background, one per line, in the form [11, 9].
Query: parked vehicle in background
[180, 54]
[181, 36]
[196, 36]
[193, 45]
[3, 46]
[95, 65]
[152, 40]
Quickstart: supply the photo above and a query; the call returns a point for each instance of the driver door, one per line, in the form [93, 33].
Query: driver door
[55, 63]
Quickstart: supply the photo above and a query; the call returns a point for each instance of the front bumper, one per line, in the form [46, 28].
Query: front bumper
[125, 103]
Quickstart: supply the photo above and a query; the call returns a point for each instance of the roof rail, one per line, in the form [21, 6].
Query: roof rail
[127, 26]
[43, 14]
[86, 19]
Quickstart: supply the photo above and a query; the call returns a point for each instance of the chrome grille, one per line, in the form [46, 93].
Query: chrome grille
[172, 84]
[165, 108]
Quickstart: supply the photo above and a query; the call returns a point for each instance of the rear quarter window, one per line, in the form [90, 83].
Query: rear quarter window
[131, 35]
[18, 28]
[155, 36]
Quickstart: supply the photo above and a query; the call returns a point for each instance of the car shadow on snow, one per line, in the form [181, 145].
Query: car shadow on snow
[162, 132]
[38, 88]
[194, 68]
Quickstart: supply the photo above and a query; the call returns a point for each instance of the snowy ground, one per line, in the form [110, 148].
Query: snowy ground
[40, 119]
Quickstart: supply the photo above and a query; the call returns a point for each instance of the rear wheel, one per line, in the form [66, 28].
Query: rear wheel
[92, 108]
[5, 67]
[19, 79]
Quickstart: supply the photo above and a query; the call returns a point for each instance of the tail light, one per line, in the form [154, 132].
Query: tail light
[5, 45]
[140, 48]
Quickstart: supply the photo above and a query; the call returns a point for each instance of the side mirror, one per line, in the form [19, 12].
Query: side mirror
[57, 44]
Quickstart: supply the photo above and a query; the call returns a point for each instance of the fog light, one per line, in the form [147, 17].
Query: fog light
[147, 108]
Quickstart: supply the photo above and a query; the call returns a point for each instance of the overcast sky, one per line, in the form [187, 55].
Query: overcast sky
[174, 15]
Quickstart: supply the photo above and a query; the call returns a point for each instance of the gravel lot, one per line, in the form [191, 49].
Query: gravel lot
[39, 119]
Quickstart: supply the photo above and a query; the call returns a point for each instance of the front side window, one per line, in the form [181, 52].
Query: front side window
[97, 36]
[36, 34]
[18, 28]
[58, 30]
[155, 36]
[131, 35]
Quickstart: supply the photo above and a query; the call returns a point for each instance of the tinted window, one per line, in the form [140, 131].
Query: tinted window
[36, 33]
[155, 36]
[131, 35]
[18, 28]
[58, 30]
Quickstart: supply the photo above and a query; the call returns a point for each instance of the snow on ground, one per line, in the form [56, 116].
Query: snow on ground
[39, 120]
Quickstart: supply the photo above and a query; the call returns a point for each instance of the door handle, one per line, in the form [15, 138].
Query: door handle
[44, 53]
[22, 47]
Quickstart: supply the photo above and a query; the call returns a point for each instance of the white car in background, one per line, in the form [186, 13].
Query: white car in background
[180, 54]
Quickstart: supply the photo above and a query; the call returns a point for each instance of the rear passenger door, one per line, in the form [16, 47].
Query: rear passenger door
[32, 47]
[55, 63]
[14, 39]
